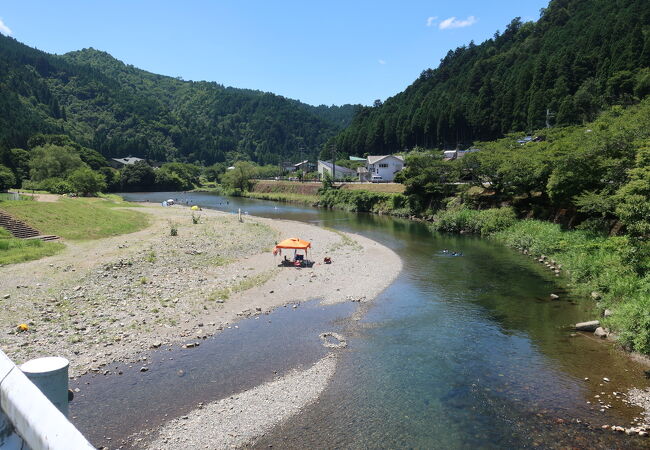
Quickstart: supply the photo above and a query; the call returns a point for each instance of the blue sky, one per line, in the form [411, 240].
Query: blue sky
[331, 52]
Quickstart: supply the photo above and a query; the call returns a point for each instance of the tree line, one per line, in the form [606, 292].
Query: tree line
[598, 174]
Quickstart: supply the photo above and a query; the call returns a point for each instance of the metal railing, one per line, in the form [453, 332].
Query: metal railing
[28, 420]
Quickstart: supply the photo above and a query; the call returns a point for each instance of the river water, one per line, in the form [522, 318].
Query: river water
[459, 352]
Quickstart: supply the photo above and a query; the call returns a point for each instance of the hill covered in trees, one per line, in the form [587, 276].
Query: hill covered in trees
[120, 110]
[578, 58]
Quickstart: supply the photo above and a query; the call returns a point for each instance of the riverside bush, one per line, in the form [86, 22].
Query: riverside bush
[465, 220]
[363, 201]
[633, 320]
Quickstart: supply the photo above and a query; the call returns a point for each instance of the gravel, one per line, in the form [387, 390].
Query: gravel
[114, 299]
[236, 420]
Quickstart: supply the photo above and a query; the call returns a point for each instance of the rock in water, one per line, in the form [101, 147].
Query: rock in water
[600, 332]
[588, 326]
[554, 296]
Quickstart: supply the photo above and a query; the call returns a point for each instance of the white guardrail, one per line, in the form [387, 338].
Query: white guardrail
[28, 420]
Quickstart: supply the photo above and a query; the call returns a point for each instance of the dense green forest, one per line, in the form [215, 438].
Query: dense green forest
[580, 56]
[119, 110]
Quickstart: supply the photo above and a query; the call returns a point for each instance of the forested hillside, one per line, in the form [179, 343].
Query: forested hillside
[578, 58]
[120, 110]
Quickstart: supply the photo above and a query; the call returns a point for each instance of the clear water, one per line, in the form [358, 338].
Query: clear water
[459, 352]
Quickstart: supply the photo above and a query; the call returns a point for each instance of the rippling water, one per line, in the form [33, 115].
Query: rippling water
[459, 352]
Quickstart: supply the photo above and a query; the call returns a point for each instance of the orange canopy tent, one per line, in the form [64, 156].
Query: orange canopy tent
[294, 243]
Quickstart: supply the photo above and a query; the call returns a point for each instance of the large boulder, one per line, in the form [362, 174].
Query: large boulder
[587, 326]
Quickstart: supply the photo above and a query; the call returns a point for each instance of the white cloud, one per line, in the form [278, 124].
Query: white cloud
[431, 19]
[382, 62]
[452, 22]
[4, 29]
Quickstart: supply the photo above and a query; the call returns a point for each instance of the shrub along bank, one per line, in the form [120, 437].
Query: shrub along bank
[364, 201]
[615, 267]
[357, 198]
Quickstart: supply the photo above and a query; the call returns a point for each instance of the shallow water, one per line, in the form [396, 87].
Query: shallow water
[245, 354]
[458, 352]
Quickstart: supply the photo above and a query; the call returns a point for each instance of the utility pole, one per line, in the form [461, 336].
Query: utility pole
[333, 163]
[302, 168]
[549, 115]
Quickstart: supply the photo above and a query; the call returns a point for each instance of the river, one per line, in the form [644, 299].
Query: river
[459, 352]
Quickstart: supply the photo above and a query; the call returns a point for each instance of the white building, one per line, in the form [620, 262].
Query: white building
[340, 173]
[449, 155]
[385, 166]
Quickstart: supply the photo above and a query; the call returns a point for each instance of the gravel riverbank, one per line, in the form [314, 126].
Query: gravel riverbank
[113, 299]
[234, 421]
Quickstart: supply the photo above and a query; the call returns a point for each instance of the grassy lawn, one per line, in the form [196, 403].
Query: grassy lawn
[386, 188]
[78, 218]
[14, 250]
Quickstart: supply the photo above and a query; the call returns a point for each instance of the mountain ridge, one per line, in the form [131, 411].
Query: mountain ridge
[580, 57]
[121, 110]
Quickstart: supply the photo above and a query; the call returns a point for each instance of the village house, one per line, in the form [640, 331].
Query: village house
[449, 155]
[340, 172]
[118, 163]
[305, 166]
[381, 168]
[287, 166]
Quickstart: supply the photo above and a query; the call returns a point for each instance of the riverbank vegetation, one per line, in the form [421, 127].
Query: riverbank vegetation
[78, 218]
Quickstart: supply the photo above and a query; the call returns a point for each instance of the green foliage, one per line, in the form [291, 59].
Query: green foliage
[119, 110]
[173, 228]
[19, 161]
[85, 181]
[214, 172]
[363, 201]
[327, 182]
[91, 157]
[7, 178]
[580, 56]
[633, 321]
[598, 172]
[14, 250]
[463, 220]
[53, 185]
[112, 178]
[428, 180]
[137, 177]
[50, 161]
[633, 198]
[240, 177]
[79, 218]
